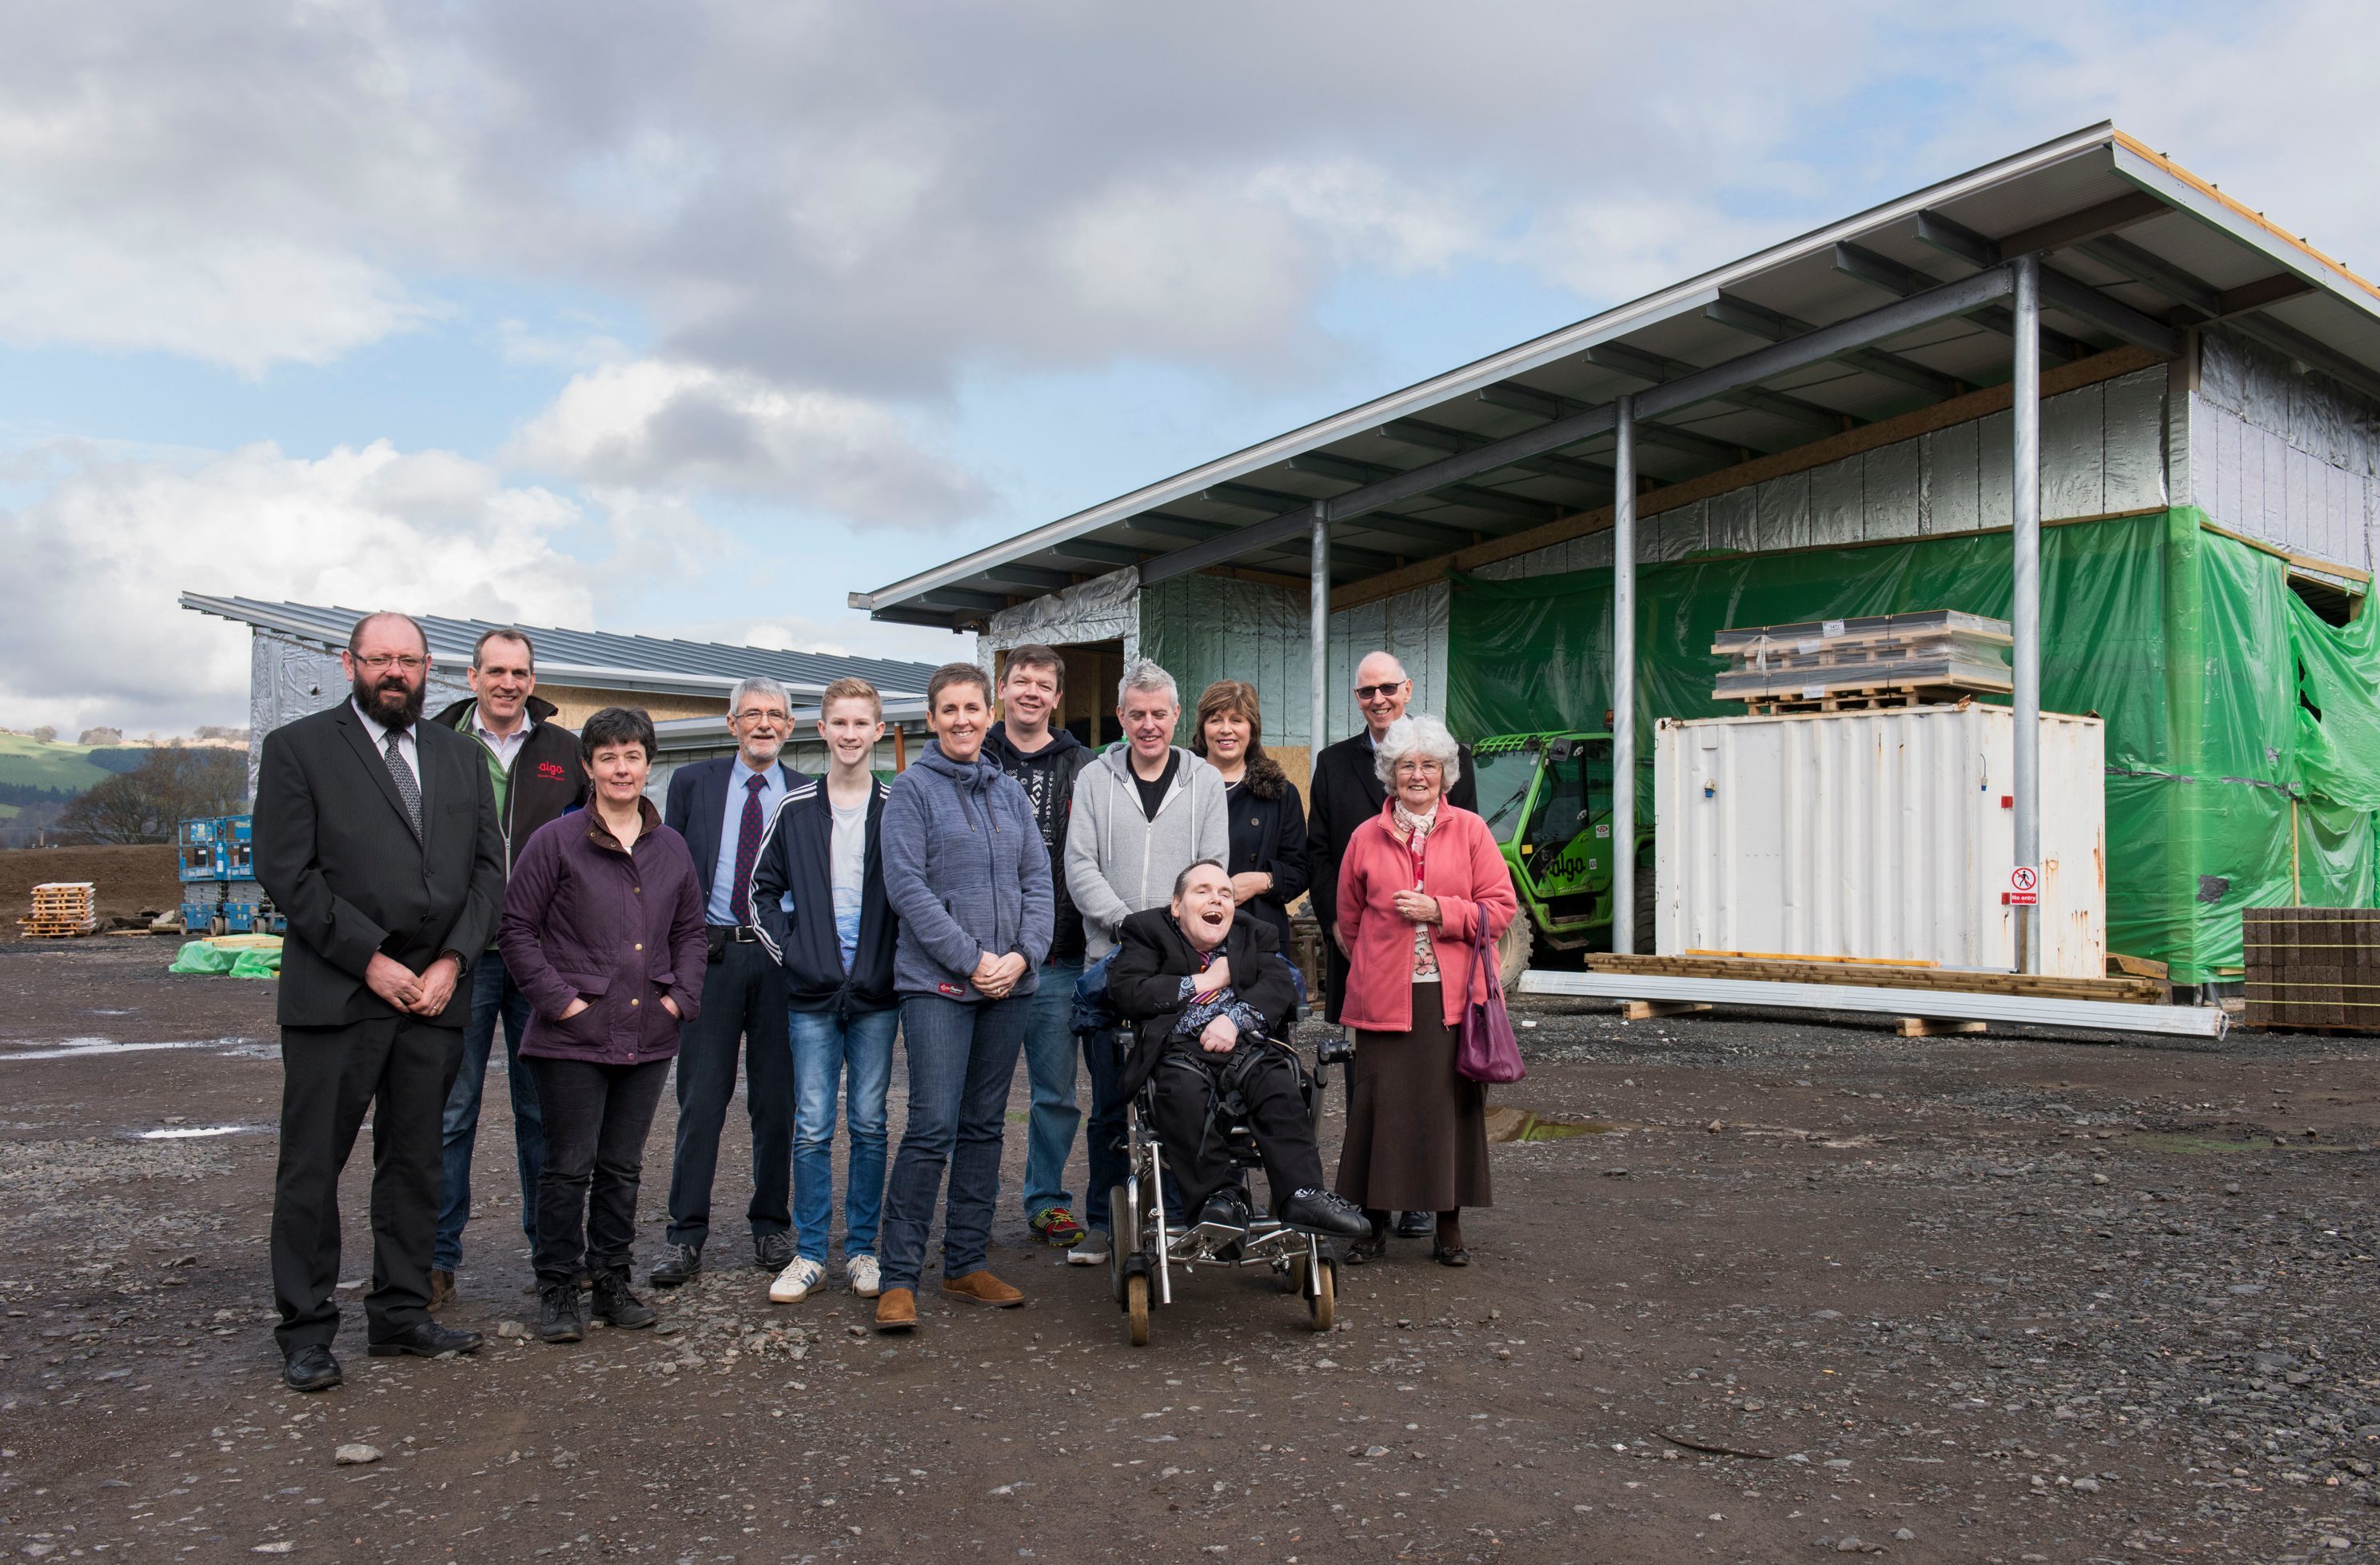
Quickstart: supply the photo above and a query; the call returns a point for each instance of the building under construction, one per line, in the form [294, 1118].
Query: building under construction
[2080, 389]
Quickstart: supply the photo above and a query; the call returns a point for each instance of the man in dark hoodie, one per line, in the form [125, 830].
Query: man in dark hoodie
[818, 900]
[1044, 760]
[534, 766]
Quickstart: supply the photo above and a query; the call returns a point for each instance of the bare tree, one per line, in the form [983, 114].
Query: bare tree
[171, 785]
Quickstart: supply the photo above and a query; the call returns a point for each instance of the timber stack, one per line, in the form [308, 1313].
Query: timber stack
[61, 908]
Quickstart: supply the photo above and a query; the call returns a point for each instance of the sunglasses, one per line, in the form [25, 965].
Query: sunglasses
[1368, 692]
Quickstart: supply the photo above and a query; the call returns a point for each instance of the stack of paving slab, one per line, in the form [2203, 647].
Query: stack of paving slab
[1927, 654]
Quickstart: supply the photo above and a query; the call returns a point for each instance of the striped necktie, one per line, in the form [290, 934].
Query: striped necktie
[408, 788]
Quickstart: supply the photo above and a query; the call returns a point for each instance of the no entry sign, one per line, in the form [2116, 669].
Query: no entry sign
[2024, 886]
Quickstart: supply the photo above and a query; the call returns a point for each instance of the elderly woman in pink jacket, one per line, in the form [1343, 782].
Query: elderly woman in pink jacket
[1417, 880]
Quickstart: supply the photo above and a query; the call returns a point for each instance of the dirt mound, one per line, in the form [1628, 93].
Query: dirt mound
[129, 880]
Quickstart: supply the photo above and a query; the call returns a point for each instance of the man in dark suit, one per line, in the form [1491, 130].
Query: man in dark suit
[376, 835]
[721, 808]
[1346, 791]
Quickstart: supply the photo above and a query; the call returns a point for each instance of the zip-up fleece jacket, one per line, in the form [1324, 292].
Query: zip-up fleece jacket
[965, 873]
[1119, 862]
[1048, 777]
[548, 781]
[797, 855]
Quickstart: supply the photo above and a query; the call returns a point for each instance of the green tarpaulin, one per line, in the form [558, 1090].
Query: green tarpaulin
[2227, 699]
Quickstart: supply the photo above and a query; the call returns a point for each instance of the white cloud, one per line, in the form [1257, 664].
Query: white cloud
[677, 426]
[106, 553]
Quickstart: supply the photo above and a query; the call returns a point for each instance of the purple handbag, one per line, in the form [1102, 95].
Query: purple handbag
[1486, 1050]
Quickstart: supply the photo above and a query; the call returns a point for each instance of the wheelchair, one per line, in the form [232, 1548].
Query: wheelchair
[1148, 1246]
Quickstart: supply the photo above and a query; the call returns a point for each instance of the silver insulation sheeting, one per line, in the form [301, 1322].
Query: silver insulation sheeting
[2281, 454]
[1106, 609]
[2103, 451]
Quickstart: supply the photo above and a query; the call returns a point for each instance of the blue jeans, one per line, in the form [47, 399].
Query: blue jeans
[1049, 1066]
[493, 994]
[962, 1059]
[825, 1048]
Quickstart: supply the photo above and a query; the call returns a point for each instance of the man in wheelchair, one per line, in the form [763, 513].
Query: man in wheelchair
[1213, 1002]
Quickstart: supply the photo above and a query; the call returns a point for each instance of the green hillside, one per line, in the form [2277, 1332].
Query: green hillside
[29, 762]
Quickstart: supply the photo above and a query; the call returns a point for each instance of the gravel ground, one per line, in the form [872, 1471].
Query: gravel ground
[1787, 1291]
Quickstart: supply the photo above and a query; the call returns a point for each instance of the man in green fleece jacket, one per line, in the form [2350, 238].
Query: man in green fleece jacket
[534, 767]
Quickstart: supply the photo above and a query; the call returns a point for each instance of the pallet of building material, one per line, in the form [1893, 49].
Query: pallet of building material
[2312, 968]
[1880, 698]
[1942, 648]
[1741, 640]
[2126, 990]
[61, 908]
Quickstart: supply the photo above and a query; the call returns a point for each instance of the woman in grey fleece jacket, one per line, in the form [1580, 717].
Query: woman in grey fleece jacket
[966, 870]
[1120, 858]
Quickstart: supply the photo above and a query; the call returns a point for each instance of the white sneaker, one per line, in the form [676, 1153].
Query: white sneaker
[793, 1284]
[1092, 1251]
[867, 1277]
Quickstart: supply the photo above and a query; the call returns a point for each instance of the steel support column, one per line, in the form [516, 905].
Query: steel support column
[1318, 606]
[2025, 613]
[1623, 676]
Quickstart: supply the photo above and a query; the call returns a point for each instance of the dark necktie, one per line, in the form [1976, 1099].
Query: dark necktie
[748, 848]
[407, 788]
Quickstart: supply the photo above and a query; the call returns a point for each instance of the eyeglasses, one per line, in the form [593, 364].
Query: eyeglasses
[1418, 768]
[761, 715]
[1368, 692]
[379, 662]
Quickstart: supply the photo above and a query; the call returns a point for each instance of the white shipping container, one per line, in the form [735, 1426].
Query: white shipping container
[1882, 834]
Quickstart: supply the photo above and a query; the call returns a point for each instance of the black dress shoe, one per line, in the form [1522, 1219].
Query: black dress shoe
[427, 1339]
[681, 1264]
[1415, 1225]
[1325, 1212]
[311, 1369]
[773, 1253]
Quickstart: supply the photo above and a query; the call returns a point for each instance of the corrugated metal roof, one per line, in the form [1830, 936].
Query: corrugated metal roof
[594, 657]
[2121, 220]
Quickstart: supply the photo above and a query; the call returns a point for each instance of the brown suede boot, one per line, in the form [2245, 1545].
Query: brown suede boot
[441, 1288]
[982, 1287]
[896, 1310]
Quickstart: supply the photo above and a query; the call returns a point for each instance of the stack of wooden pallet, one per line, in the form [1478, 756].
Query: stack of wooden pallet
[61, 907]
[2312, 968]
[1883, 659]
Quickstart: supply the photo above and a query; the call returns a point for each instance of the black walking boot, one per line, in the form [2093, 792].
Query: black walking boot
[614, 1305]
[558, 1319]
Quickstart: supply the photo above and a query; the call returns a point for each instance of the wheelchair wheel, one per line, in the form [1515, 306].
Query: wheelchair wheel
[1135, 1307]
[1322, 1306]
[1122, 1241]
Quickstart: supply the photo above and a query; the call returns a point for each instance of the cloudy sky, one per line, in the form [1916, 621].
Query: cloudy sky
[690, 319]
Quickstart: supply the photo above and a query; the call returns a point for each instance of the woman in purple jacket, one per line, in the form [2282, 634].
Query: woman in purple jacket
[603, 932]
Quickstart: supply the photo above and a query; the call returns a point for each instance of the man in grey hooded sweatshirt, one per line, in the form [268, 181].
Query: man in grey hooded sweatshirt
[1144, 811]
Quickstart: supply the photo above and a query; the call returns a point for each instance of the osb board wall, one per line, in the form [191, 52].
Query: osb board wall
[576, 704]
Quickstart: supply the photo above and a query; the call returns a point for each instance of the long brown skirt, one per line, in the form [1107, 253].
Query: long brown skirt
[1418, 1132]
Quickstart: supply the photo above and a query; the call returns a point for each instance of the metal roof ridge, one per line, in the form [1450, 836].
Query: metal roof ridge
[292, 619]
[1675, 299]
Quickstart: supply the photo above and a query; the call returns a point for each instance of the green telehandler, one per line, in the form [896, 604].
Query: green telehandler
[1548, 799]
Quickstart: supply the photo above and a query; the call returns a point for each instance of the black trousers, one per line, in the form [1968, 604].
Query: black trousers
[595, 1120]
[1197, 1161]
[401, 1068]
[743, 1004]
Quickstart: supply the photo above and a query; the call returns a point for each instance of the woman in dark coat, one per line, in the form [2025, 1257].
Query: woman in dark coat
[1269, 866]
[603, 930]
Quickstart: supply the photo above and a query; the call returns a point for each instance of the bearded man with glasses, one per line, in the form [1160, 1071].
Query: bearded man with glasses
[376, 834]
[1346, 792]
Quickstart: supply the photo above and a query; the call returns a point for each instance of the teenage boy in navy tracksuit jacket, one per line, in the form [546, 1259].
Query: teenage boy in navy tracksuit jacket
[822, 854]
